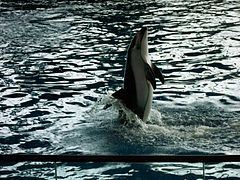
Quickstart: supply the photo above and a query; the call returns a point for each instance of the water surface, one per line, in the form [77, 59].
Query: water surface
[60, 61]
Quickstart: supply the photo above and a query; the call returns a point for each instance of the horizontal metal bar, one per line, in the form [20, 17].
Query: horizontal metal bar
[118, 158]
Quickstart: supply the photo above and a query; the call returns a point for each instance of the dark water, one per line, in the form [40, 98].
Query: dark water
[60, 60]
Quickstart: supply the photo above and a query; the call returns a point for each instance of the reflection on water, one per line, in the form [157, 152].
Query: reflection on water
[57, 59]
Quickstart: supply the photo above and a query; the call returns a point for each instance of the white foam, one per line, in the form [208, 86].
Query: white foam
[133, 126]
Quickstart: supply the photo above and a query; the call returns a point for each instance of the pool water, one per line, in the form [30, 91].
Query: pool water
[60, 61]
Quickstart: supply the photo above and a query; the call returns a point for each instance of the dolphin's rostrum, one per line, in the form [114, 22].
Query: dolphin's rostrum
[139, 78]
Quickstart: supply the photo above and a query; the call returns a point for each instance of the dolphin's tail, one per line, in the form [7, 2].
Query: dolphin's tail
[120, 94]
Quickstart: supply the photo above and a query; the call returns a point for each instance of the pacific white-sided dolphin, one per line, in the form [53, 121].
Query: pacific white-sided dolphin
[139, 78]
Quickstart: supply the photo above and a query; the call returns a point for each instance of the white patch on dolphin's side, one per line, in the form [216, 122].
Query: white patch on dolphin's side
[144, 49]
[144, 89]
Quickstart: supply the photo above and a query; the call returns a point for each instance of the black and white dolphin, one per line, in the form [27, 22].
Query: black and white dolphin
[139, 78]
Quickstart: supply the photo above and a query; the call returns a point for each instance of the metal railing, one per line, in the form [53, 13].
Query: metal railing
[118, 158]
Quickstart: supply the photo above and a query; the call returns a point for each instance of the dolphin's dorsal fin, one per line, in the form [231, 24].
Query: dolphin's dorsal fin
[150, 75]
[120, 94]
[158, 73]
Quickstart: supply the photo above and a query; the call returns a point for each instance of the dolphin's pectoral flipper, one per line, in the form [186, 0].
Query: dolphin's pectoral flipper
[150, 75]
[120, 94]
[158, 73]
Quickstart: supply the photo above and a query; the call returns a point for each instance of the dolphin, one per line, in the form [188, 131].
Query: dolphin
[139, 77]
